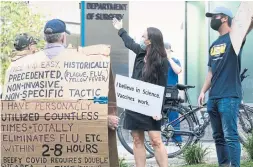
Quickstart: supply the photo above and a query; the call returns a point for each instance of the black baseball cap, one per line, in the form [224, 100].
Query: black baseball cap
[168, 46]
[23, 40]
[55, 26]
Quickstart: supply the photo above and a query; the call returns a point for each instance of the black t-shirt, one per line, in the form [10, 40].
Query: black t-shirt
[225, 66]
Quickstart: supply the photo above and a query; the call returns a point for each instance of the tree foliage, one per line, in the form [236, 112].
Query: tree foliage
[17, 17]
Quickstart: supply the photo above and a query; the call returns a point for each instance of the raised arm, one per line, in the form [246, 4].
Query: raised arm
[128, 41]
[249, 30]
[250, 27]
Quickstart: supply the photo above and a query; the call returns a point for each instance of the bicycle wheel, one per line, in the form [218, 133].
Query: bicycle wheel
[125, 137]
[171, 140]
[245, 125]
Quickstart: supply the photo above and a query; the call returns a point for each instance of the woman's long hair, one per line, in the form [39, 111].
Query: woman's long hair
[155, 54]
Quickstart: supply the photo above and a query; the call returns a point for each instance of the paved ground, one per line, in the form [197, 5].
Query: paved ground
[211, 157]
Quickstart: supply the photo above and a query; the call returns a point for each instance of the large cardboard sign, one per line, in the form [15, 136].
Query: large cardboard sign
[54, 133]
[55, 113]
[240, 25]
[70, 75]
[139, 96]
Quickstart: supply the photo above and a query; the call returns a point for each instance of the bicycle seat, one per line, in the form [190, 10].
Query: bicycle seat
[184, 87]
[179, 100]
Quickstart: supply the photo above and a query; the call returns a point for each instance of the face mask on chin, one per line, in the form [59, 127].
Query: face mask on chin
[215, 24]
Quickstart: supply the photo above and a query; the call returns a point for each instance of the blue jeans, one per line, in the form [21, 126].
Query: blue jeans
[223, 115]
[172, 115]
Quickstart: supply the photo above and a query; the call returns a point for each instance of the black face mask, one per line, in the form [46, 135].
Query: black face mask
[215, 24]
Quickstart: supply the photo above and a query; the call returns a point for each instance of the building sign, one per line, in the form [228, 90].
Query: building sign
[105, 7]
[99, 30]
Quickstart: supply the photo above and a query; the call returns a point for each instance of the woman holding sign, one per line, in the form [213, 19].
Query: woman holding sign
[151, 65]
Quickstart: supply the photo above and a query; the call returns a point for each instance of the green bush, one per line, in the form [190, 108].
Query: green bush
[17, 17]
[122, 163]
[195, 154]
[249, 146]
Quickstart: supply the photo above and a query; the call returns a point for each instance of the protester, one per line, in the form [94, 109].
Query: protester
[55, 35]
[151, 65]
[24, 45]
[225, 92]
[173, 71]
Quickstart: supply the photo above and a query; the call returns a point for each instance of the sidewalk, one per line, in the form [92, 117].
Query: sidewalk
[210, 158]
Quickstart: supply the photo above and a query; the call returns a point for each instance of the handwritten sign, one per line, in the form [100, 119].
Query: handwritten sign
[138, 96]
[70, 75]
[240, 25]
[54, 133]
[62, 120]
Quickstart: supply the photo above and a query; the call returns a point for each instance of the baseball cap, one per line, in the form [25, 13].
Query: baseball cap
[23, 40]
[220, 10]
[55, 26]
[168, 46]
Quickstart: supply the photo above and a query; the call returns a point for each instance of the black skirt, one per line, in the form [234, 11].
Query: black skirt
[137, 121]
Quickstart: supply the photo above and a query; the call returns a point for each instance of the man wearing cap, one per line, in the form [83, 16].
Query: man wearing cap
[55, 35]
[24, 45]
[174, 66]
[224, 85]
[173, 71]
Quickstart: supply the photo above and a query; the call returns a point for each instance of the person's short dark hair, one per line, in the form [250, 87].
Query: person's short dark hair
[229, 19]
[22, 41]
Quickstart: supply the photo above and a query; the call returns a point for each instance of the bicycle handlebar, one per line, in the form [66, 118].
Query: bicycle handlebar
[244, 71]
[242, 76]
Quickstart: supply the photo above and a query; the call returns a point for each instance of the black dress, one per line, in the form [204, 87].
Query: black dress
[134, 120]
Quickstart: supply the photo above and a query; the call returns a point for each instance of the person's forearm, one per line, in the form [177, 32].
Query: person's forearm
[128, 41]
[207, 83]
[250, 28]
[176, 68]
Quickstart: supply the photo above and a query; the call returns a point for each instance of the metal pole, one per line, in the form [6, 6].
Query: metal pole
[185, 43]
[83, 23]
[207, 9]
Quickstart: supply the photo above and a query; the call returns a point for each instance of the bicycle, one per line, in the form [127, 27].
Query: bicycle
[245, 111]
[189, 114]
[122, 136]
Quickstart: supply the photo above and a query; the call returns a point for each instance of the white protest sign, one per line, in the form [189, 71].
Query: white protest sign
[240, 25]
[139, 96]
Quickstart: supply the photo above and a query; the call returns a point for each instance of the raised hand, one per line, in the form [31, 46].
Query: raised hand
[117, 24]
